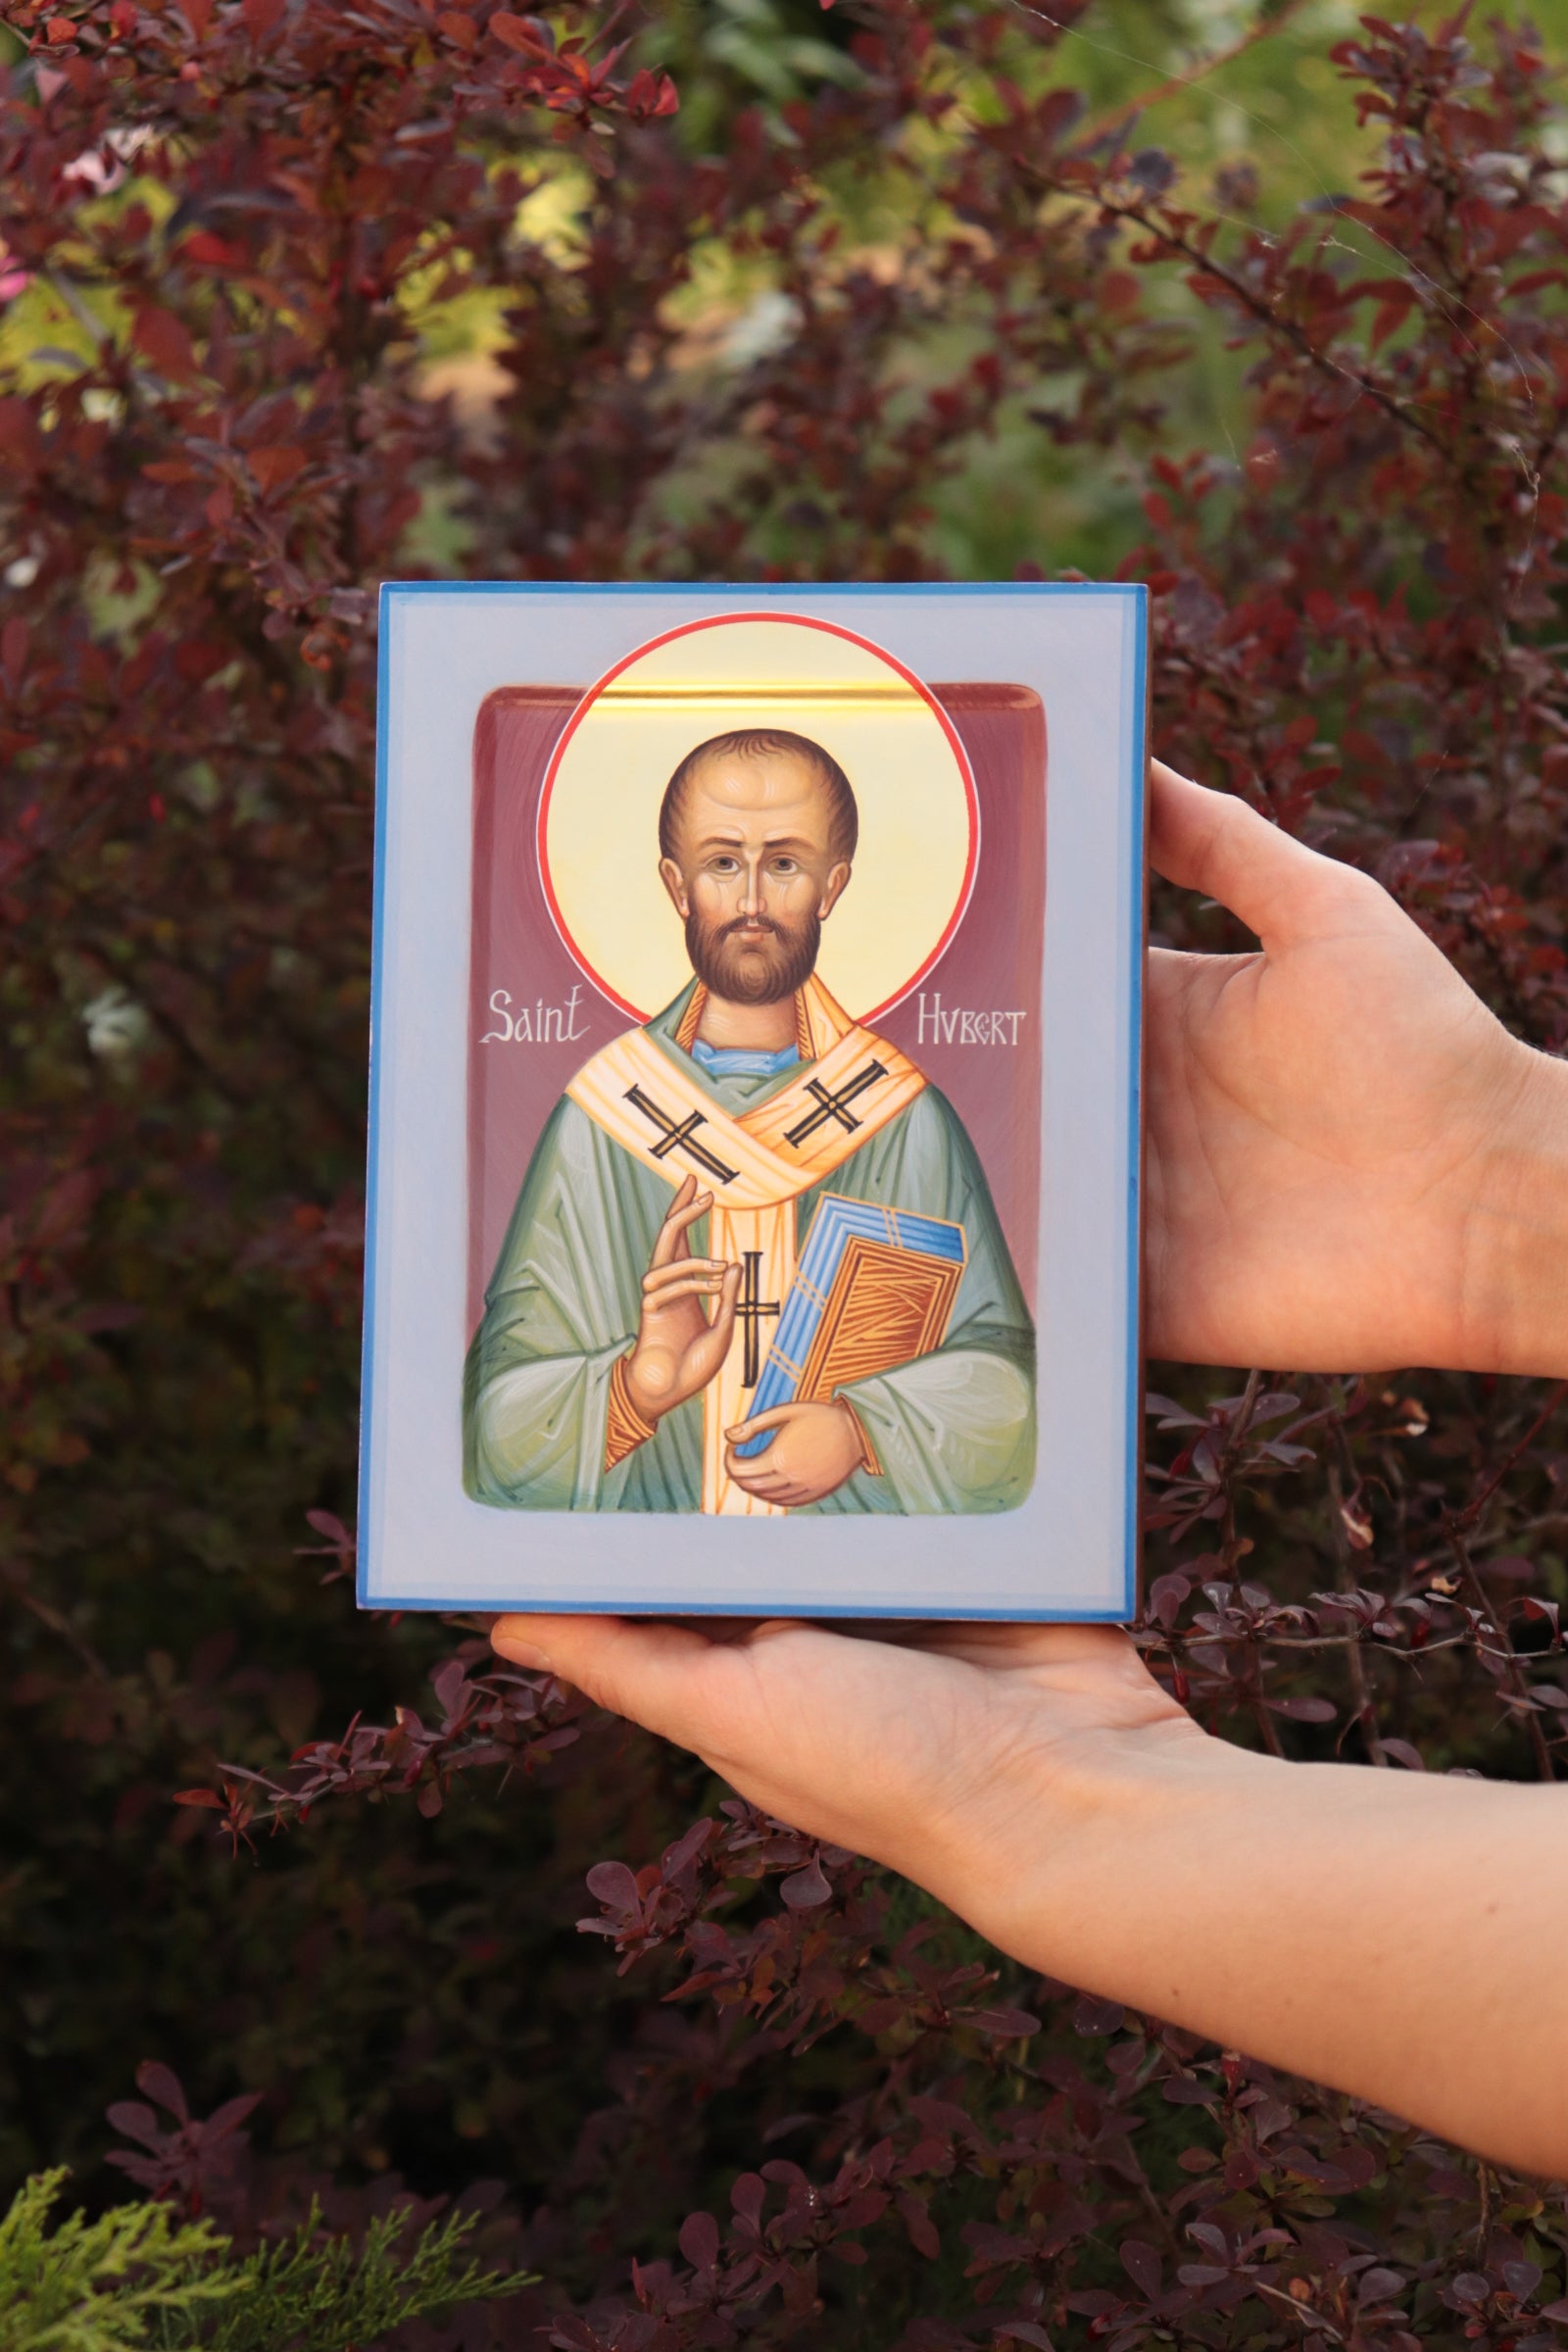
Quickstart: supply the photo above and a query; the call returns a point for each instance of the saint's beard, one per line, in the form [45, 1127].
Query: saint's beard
[755, 969]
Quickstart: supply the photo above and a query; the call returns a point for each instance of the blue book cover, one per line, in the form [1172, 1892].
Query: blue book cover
[835, 1253]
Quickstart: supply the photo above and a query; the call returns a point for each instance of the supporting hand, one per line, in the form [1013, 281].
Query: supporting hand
[1038, 1780]
[1353, 1167]
[677, 1351]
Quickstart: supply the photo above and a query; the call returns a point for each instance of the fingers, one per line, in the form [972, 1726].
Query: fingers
[710, 1348]
[684, 1278]
[785, 1494]
[685, 1286]
[724, 1323]
[686, 1207]
[770, 1482]
[756, 1476]
[1214, 843]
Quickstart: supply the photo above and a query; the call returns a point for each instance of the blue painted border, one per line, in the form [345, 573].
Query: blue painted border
[1137, 785]
[372, 1140]
[393, 590]
[754, 588]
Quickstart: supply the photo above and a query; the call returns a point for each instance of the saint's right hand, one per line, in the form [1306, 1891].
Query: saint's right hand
[677, 1351]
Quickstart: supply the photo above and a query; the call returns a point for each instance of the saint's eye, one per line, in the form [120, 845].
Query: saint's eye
[783, 865]
[722, 866]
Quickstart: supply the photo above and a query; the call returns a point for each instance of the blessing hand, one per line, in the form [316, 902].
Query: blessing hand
[817, 1447]
[677, 1351]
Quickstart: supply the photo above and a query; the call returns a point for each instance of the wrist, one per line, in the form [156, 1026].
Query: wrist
[866, 1455]
[626, 1426]
[1061, 1829]
[650, 1404]
[1517, 1230]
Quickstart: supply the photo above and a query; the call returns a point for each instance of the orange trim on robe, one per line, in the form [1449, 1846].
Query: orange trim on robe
[756, 1165]
[624, 1426]
[691, 1019]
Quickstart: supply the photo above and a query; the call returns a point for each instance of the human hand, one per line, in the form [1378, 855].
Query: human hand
[959, 1755]
[1038, 1780]
[677, 1351]
[817, 1447]
[1351, 1163]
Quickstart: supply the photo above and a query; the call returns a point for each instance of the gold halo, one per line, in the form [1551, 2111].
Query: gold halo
[598, 834]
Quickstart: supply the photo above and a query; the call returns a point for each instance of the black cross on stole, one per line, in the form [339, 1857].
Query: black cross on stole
[673, 1136]
[830, 1105]
[753, 1309]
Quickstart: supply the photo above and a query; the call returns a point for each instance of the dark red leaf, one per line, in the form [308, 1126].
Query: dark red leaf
[699, 2240]
[614, 1886]
[804, 1888]
[162, 2085]
[1143, 2266]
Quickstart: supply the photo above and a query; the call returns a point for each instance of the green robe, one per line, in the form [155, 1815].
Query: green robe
[953, 1429]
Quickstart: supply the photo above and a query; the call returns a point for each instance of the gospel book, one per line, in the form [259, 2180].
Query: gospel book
[875, 1288]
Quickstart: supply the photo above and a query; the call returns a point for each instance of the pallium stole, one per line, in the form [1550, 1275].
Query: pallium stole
[851, 1085]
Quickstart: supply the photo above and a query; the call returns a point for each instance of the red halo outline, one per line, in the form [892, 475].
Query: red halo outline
[720, 621]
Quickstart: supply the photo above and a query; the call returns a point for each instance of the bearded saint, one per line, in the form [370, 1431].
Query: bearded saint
[668, 1196]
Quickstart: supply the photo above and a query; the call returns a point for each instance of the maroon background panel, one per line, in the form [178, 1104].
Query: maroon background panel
[529, 1033]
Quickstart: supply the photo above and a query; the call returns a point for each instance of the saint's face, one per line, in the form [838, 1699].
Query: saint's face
[755, 874]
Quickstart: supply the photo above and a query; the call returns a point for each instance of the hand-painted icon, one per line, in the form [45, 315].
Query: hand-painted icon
[759, 841]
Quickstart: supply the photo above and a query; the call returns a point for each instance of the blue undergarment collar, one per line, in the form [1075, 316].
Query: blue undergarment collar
[739, 1061]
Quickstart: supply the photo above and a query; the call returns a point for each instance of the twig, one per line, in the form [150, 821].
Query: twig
[1366, 1712]
[1478, 1502]
[1262, 30]
[58, 1624]
[1301, 2311]
[1253, 303]
[1230, 1454]
[1507, 1654]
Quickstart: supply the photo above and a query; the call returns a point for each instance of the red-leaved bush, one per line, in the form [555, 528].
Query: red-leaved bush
[298, 296]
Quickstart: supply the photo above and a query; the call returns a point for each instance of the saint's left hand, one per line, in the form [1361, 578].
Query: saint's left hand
[817, 1447]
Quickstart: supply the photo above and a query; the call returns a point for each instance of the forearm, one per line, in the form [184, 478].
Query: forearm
[1516, 1234]
[1389, 1935]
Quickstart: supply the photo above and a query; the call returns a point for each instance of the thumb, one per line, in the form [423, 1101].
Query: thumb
[774, 1418]
[724, 1314]
[1212, 841]
[633, 1666]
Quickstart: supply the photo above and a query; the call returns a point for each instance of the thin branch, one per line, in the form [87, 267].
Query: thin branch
[1467, 1518]
[1345, 1580]
[1453, 1527]
[1239, 292]
[1263, 30]
[57, 1623]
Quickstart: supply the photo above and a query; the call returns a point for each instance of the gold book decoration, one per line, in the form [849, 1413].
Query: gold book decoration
[875, 1288]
